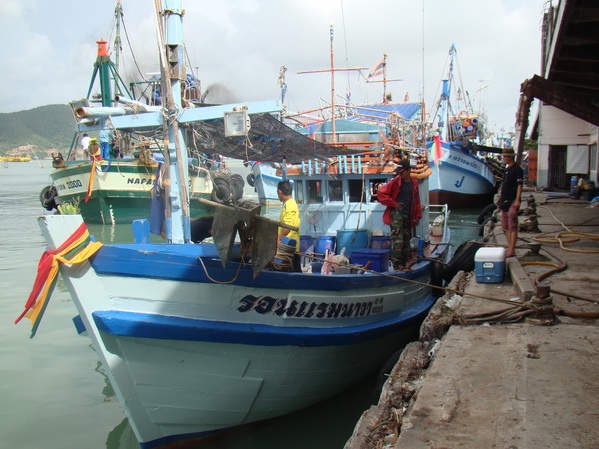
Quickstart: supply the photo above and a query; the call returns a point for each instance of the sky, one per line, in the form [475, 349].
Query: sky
[236, 48]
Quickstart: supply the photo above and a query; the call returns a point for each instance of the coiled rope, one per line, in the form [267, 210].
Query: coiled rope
[285, 254]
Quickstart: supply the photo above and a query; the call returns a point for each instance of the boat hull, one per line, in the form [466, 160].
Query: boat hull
[121, 191]
[193, 348]
[459, 179]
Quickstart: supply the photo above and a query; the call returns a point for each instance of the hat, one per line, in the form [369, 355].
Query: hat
[403, 165]
[508, 152]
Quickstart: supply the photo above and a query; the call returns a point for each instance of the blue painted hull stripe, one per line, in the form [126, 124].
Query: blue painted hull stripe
[144, 325]
[181, 263]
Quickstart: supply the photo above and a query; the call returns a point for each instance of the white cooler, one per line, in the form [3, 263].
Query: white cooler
[489, 265]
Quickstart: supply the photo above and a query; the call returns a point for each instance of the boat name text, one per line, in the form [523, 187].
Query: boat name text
[142, 181]
[463, 161]
[69, 185]
[309, 309]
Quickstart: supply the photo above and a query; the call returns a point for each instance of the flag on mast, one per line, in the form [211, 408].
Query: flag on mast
[377, 70]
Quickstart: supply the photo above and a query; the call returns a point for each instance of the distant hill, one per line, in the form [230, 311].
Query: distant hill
[48, 127]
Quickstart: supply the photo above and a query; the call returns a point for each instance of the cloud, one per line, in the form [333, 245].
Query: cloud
[241, 45]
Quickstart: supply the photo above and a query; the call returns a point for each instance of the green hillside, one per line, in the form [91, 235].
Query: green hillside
[47, 127]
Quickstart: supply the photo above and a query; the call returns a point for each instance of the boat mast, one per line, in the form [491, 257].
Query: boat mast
[172, 67]
[103, 70]
[333, 130]
[385, 101]
[333, 70]
[385, 80]
[118, 12]
[446, 90]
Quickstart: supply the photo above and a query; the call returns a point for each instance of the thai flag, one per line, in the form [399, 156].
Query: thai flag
[378, 69]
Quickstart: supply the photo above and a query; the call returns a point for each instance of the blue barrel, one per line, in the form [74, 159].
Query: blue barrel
[306, 241]
[351, 239]
[323, 243]
[380, 242]
[306, 247]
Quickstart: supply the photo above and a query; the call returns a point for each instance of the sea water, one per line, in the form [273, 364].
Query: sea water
[55, 394]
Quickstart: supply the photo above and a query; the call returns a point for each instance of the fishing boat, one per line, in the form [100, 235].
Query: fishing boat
[378, 135]
[113, 180]
[462, 175]
[202, 338]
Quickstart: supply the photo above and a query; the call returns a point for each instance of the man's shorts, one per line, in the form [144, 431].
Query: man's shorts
[509, 219]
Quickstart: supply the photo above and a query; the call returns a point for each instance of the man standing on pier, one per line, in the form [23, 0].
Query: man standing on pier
[403, 212]
[509, 199]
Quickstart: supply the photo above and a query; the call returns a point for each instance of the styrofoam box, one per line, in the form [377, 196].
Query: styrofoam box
[489, 265]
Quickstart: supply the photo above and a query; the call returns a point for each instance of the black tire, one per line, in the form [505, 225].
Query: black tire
[221, 193]
[437, 278]
[487, 211]
[250, 179]
[463, 259]
[48, 197]
[481, 231]
[237, 184]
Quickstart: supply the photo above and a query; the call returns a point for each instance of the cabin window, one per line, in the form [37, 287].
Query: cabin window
[374, 187]
[356, 191]
[335, 190]
[314, 191]
[298, 187]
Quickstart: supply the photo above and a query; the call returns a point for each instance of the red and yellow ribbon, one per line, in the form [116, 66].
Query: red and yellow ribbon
[90, 184]
[76, 249]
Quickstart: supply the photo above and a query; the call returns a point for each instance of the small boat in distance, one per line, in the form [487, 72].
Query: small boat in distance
[461, 176]
[202, 338]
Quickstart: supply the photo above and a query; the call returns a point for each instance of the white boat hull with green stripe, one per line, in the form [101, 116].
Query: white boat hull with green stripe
[121, 190]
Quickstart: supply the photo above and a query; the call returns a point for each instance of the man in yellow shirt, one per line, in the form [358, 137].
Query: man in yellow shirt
[289, 215]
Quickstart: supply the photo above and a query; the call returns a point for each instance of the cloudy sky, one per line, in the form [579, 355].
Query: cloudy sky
[237, 47]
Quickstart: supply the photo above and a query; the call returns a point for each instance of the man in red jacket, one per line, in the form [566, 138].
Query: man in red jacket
[403, 212]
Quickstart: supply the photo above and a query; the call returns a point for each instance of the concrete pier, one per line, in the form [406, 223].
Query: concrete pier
[522, 373]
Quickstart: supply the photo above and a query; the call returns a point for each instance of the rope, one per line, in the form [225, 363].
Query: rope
[558, 237]
[424, 284]
[220, 282]
[284, 253]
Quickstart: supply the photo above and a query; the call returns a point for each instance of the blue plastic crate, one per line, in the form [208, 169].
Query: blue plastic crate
[378, 256]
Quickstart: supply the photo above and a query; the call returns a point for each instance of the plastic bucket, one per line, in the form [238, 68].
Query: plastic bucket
[351, 239]
[323, 243]
[380, 242]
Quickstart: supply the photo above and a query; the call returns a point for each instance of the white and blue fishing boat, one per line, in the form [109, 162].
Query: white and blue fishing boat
[201, 338]
[461, 175]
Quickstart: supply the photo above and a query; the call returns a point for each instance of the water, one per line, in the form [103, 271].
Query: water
[54, 393]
